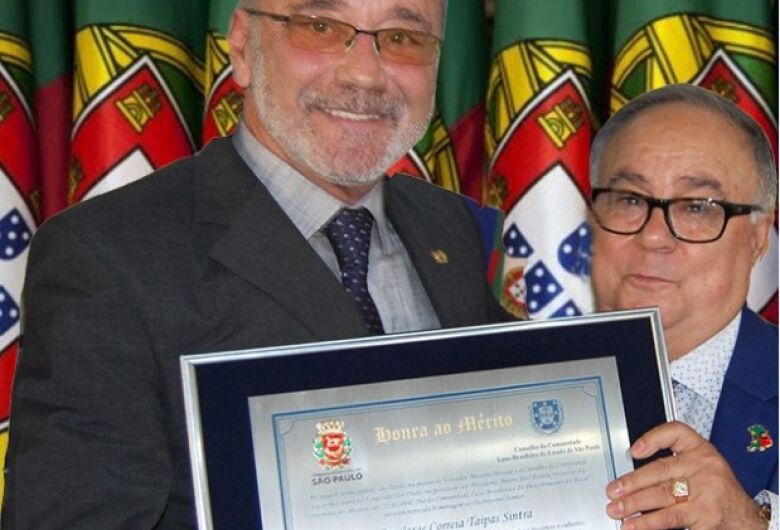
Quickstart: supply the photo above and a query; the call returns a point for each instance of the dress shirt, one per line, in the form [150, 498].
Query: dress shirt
[699, 376]
[393, 281]
[697, 379]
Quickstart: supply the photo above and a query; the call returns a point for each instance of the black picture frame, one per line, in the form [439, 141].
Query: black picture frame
[217, 386]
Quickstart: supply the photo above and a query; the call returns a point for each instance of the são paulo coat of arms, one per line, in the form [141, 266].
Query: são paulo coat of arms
[332, 445]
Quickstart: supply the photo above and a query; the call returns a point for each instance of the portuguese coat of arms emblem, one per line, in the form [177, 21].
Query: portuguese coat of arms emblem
[547, 415]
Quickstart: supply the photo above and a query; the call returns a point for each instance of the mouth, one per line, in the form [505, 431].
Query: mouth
[649, 280]
[352, 116]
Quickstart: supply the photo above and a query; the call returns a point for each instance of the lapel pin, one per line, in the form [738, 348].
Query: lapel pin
[440, 257]
[760, 439]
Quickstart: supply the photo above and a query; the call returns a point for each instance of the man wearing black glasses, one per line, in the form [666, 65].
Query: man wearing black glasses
[288, 232]
[684, 192]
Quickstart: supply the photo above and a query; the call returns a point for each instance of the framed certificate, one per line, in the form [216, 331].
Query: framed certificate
[492, 426]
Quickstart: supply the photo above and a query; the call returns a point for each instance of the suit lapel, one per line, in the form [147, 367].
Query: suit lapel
[749, 388]
[261, 245]
[424, 238]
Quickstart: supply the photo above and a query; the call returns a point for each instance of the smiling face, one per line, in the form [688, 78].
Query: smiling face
[679, 150]
[343, 118]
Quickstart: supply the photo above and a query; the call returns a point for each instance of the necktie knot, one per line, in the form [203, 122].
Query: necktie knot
[350, 235]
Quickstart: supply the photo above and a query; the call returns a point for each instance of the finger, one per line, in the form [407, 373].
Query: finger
[661, 471]
[673, 435]
[654, 497]
[673, 517]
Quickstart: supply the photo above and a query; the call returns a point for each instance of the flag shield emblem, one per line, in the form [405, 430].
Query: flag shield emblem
[224, 98]
[542, 161]
[547, 415]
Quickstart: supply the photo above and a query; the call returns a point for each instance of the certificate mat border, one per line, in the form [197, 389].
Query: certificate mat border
[215, 383]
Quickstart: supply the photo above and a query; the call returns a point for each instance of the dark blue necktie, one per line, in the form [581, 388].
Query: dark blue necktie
[350, 234]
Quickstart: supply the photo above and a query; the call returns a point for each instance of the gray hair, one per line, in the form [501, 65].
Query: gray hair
[766, 195]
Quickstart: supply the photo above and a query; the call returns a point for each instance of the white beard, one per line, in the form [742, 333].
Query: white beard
[349, 159]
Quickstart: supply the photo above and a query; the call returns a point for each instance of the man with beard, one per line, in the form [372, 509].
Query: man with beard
[240, 246]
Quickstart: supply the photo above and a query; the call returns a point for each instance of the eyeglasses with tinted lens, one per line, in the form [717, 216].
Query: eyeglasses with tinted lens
[326, 35]
[694, 220]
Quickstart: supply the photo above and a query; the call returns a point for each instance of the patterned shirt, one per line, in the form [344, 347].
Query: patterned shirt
[697, 379]
[393, 282]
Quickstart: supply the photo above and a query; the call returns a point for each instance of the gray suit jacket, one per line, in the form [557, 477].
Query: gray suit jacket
[195, 258]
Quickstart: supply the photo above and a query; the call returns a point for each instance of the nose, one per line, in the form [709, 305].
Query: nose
[361, 66]
[656, 234]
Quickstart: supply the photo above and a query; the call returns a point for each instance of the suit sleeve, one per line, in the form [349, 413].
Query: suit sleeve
[87, 437]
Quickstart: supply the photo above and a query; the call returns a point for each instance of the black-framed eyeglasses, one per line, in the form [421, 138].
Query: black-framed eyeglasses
[690, 219]
[327, 35]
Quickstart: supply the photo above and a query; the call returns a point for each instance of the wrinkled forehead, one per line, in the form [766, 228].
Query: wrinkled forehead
[696, 146]
[677, 120]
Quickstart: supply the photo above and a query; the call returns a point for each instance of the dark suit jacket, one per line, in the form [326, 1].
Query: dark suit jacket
[195, 258]
[748, 397]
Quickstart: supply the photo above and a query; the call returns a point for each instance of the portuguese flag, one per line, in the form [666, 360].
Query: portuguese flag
[132, 103]
[20, 187]
[52, 57]
[728, 47]
[539, 129]
[138, 82]
[452, 154]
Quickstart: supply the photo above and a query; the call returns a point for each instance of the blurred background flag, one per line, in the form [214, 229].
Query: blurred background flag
[452, 152]
[538, 135]
[20, 189]
[138, 84]
[50, 38]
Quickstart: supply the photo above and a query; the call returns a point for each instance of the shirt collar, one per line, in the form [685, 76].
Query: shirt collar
[307, 205]
[374, 202]
[703, 369]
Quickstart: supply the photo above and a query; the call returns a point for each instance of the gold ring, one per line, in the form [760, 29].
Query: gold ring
[680, 490]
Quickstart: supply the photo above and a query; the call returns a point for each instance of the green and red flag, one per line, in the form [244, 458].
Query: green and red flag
[20, 188]
[538, 136]
[137, 97]
[728, 47]
[452, 152]
[51, 41]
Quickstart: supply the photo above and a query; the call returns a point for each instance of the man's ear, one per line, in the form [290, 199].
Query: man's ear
[240, 48]
[759, 237]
